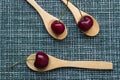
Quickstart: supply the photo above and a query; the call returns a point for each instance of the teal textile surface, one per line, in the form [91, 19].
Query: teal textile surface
[22, 32]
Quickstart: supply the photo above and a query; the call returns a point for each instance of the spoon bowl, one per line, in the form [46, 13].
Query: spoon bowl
[94, 30]
[48, 19]
[58, 63]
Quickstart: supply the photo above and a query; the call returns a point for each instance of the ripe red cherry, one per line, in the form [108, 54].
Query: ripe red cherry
[85, 23]
[41, 60]
[57, 27]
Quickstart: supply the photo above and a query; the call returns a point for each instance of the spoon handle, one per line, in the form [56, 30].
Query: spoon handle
[89, 64]
[75, 11]
[45, 15]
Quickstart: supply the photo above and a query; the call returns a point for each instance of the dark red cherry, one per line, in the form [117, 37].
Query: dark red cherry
[85, 23]
[41, 60]
[57, 27]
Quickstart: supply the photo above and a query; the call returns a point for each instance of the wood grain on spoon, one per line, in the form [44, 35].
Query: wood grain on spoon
[94, 30]
[48, 20]
[57, 63]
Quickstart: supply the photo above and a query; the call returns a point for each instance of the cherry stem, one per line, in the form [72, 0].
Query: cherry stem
[79, 10]
[21, 61]
[64, 11]
[80, 13]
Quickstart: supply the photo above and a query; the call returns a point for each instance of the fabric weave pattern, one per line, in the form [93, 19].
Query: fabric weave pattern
[22, 32]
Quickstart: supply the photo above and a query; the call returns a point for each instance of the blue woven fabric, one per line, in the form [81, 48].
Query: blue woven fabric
[22, 32]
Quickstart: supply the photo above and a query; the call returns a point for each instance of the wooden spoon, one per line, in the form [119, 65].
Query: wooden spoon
[57, 63]
[94, 30]
[48, 20]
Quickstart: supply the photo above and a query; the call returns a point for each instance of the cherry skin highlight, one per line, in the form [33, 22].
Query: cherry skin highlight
[41, 60]
[57, 27]
[85, 23]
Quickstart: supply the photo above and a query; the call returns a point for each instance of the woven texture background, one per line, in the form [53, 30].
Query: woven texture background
[22, 32]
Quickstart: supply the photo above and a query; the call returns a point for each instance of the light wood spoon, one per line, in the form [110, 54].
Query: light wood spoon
[48, 20]
[57, 63]
[94, 30]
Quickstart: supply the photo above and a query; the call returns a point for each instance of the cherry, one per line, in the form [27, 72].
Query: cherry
[41, 60]
[85, 23]
[57, 27]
